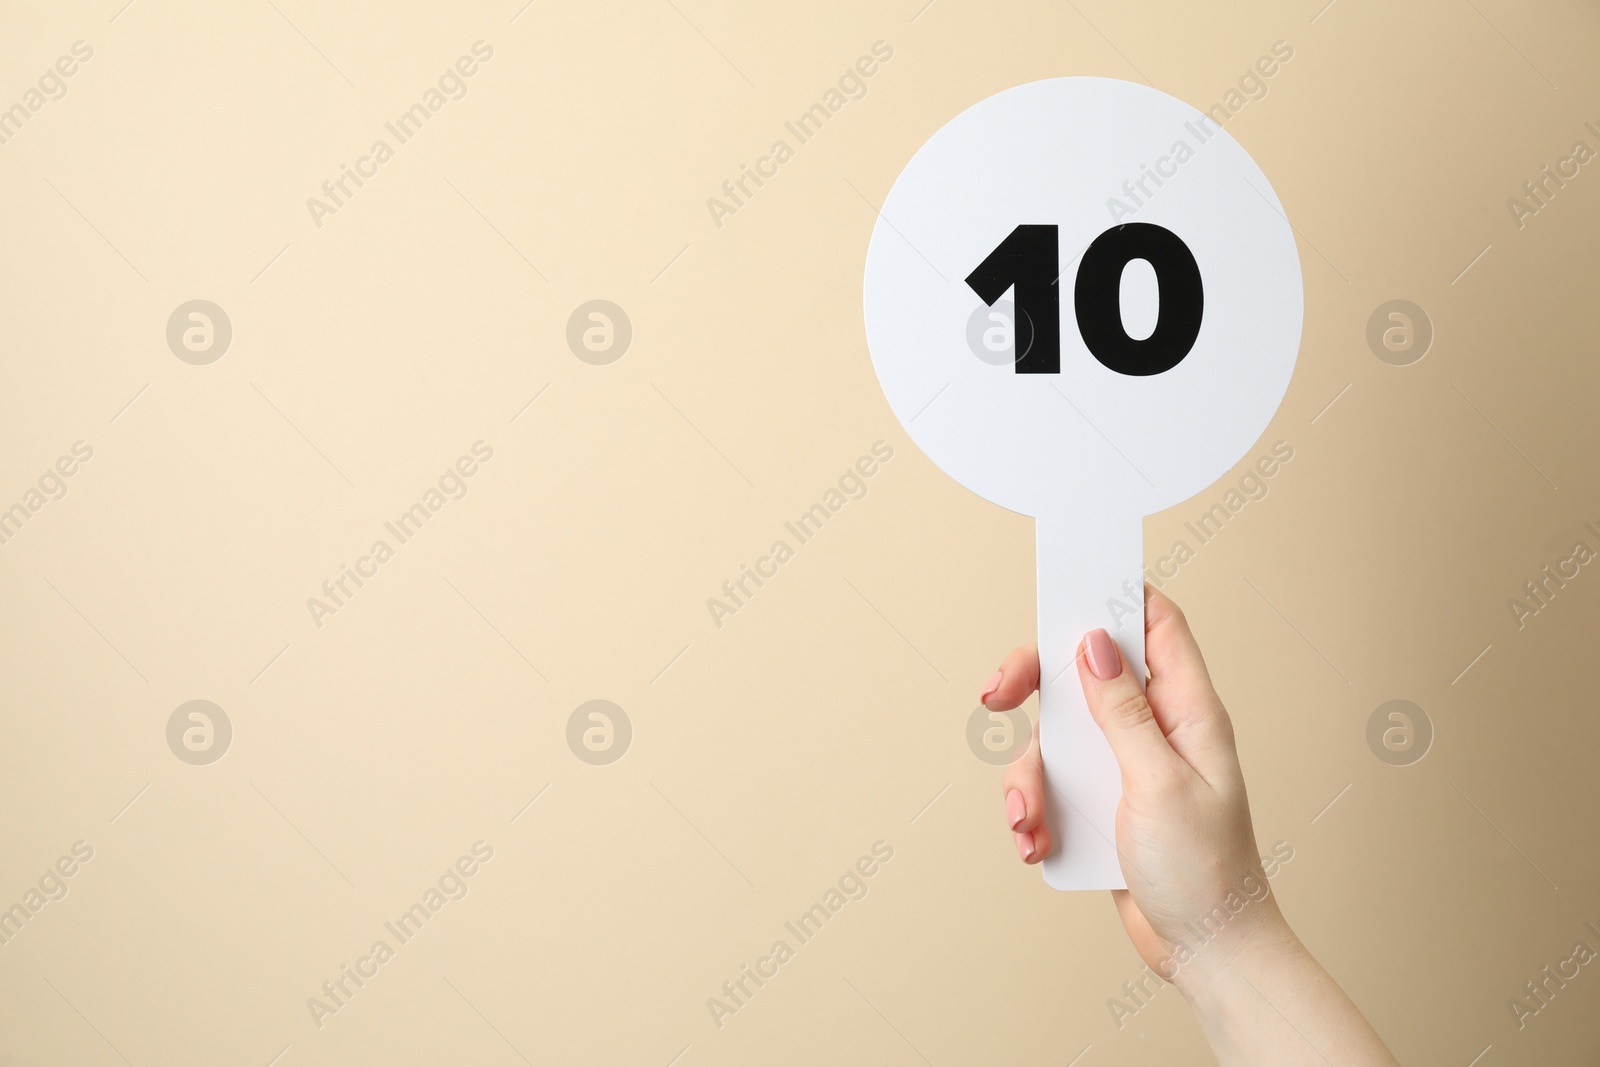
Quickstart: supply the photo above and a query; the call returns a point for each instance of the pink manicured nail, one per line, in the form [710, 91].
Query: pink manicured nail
[1025, 846]
[1104, 660]
[1016, 807]
[990, 686]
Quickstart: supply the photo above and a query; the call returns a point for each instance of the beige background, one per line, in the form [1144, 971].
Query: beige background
[830, 712]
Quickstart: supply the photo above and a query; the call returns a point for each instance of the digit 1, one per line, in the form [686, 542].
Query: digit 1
[1029, 259]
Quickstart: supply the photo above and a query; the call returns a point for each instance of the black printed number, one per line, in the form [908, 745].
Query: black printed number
[1029, 259]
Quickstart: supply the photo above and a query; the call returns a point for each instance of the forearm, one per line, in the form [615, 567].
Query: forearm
[1271, 1004]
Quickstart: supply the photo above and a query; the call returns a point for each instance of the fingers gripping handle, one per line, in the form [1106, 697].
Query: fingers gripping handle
[1090, 575]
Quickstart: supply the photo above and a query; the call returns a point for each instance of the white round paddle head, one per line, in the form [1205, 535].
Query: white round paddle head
[1176, 314]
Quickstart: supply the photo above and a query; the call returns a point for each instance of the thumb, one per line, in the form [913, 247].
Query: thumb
[1120, 709]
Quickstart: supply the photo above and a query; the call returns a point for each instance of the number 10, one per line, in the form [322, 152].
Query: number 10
[1029, 259]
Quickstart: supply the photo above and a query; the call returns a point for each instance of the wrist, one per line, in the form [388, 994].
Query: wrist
[1213, 956]
[1225, 974]
[1266, 1000]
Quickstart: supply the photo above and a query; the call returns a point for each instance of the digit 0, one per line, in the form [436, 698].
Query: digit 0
[1029, 260]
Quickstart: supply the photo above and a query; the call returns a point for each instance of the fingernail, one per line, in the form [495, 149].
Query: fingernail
[990, 686]
[1025, 846]
[1104, 660]
[1016, 807]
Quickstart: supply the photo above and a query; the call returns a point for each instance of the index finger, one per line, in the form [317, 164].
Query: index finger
[1015, 681]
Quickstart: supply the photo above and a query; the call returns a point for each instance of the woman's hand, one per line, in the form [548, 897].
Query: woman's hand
[1198, 907]
[1183, 827]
